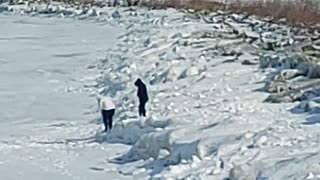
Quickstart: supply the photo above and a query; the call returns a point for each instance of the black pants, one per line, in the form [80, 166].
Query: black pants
[142, 109]
[107, 118]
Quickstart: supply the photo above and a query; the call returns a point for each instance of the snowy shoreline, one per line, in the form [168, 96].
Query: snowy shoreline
[206, 115]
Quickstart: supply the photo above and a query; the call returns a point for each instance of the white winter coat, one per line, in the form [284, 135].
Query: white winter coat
[105, 103]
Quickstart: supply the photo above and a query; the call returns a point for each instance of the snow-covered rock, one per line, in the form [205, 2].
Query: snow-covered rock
[243, 172]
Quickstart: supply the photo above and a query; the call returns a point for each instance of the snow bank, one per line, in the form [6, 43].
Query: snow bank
[243, 172]
[148, 146]
[132, 131]
[177, 60]
[177, 71]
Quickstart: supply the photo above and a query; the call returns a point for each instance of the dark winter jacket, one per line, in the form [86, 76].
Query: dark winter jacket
[142, 91]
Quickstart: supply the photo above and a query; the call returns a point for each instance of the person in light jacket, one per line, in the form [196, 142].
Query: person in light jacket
[143, 96]
[107, 108]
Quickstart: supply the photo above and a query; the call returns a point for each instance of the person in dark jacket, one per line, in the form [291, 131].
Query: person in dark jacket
[143, 96]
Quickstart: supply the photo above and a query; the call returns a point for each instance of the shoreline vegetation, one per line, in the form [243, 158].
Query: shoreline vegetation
[299, 13]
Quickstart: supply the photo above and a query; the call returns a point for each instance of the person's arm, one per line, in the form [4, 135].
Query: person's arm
[139, 93]
[98, 108]
[146, 91]
[99, 102]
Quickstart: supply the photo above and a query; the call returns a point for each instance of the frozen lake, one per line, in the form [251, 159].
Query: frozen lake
[41, 58]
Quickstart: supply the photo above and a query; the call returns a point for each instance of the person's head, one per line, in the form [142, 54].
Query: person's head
[138, 82]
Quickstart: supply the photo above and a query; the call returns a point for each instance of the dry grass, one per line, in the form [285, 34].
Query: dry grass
[187, 4]
[304, 13]
[300, 12]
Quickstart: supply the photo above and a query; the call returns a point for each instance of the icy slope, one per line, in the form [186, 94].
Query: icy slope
[219, 123]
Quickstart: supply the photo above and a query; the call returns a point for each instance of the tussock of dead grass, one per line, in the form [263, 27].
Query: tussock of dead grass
[186, 4]
[304, 13]
[299, 12]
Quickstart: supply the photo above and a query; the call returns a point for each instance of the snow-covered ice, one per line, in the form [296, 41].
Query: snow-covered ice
[43, 100]
[207, 116]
